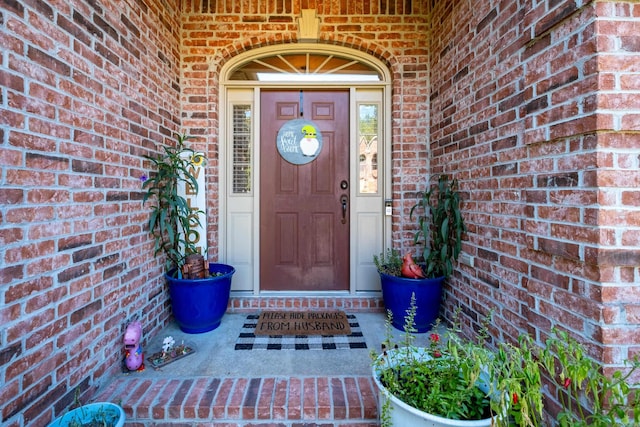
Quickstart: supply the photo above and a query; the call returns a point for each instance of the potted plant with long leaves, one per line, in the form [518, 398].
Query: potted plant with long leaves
[199, 290]
[440, 229]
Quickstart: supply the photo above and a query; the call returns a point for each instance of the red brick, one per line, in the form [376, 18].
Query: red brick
[11, 235]
[280, 400]
[234, 405]
[310, 399]
[19, 402]
[137, 391]
[266, 400]
[30, 178]
[179, 399]
[353, 398]
[39, 301]
[8, 392]
[222, 398]
[294, 402]
[338, 399]
[324, 399]
[620, 335]
[480, 103]
[13, 119]
[250, 399]
[207, 391]
[161, 407]
[632, 312]
[9, 312]
[145, 407]
[9, 157]
[25, 361]
[368, 397]
[29, 215]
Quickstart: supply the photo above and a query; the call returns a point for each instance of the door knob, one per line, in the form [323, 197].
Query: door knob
[343, 201]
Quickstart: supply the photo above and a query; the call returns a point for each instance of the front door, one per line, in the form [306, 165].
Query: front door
[304, 208]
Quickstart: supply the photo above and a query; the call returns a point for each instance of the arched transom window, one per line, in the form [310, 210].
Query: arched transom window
[305, 67]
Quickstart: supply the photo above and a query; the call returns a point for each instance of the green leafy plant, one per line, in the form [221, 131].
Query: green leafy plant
[589, 398]
[446, 378]
[388, 262]
[440, 226]
[516, 383]
[171, 218]
[459, 379]
[102, 418]
[81, 415]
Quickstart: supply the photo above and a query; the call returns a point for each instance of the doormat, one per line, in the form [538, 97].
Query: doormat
[303, 323]
[248, 340]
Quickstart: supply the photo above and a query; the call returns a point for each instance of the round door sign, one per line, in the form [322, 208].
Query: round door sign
[299, 141]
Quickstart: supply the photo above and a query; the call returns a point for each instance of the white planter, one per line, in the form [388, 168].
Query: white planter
[403, 415]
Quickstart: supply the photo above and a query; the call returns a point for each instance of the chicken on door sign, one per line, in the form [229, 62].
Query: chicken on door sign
[299, 141]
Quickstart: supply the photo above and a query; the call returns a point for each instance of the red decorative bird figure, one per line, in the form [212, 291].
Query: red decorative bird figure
[410, 269]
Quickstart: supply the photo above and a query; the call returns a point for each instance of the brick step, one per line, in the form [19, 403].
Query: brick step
[231, 402]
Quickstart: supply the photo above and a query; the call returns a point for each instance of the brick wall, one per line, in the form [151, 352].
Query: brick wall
[535, 109]
[87, 87]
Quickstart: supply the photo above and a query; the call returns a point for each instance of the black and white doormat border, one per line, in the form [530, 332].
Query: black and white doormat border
[248, 340]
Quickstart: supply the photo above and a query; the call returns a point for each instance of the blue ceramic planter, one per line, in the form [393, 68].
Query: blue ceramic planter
[101, 413]
[199, 304]
[397, 291]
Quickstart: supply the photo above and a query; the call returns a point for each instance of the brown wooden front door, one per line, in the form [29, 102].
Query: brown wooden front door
[304, 224]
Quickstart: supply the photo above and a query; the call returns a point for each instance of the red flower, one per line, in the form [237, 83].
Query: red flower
[567, 382]
[515, 399]
[437, 353]
[434, 337]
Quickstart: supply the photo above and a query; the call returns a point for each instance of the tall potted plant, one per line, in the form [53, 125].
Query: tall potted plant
[440, 230]
[199, 291]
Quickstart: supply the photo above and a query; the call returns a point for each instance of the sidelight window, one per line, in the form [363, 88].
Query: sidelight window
[368, 135]
[242, 149]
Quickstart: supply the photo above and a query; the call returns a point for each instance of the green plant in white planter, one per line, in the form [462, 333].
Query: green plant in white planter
[430, 385]
[456, 378]
[455, 382]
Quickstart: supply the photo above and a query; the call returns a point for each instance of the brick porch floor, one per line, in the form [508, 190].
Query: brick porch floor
[253, 400]
[269, 401]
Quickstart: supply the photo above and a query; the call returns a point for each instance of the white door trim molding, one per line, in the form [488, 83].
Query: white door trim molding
[238, 222]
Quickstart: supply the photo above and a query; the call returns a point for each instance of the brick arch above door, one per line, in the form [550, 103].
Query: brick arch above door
[365, 49]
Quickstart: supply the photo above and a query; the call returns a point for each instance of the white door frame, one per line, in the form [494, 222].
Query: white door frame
[238, 226]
